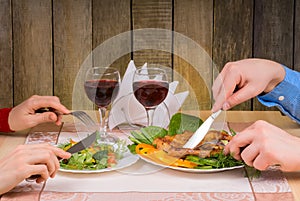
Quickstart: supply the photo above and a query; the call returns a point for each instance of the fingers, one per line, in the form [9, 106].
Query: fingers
[236, 83]
[41, 170]
[249, 154]
[57, 152]
[240, 142]
[53, 102]
[61, 153]
[36, 102]
[39, 118]
[241, 95]
[44, 157]
[249, 146]
[224, 86]
[59, 120]
[43, 160]
[260, 163]
[23, 116]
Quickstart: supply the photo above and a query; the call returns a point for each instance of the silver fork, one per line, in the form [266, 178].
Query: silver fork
[81, 115]
[84, 118]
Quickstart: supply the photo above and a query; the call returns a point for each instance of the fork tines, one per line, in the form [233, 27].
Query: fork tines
[84, 118]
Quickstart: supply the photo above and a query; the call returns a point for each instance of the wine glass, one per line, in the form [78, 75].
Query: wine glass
[150, 88]
[101, 87]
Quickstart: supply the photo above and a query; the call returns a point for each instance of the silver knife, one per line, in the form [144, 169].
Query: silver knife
[81, 145]
[200, 133]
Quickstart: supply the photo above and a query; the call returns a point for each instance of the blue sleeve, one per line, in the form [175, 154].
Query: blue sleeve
[285, 96]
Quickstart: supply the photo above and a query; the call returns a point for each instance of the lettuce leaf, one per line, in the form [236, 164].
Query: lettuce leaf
[181, 122]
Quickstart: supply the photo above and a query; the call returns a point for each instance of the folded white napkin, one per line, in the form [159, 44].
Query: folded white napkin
[126, 109]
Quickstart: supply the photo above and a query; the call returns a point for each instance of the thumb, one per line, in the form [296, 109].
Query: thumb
[45, 117]
[240, 96]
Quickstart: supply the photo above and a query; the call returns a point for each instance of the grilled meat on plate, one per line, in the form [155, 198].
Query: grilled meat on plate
[211, 144]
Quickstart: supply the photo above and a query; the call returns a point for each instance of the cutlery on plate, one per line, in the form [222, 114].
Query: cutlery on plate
[81, 145]
[200, 133]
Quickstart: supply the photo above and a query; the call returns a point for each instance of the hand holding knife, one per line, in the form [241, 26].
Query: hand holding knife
[83, 144]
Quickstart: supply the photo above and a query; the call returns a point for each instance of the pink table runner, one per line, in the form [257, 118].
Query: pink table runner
[272, 185]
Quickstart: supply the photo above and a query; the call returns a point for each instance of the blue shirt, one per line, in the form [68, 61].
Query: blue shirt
[286, 95]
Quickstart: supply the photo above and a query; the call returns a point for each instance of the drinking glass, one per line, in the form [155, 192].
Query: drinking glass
[101, 87]
[150, 88]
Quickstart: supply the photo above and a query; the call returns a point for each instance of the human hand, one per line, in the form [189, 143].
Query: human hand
[264, 145]
[23, 116]
[27, 160]
[243, 80]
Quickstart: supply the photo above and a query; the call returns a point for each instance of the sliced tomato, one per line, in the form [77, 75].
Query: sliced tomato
[111, 160]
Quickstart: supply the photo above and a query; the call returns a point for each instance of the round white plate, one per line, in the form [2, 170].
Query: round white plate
[189, 169]
[127, 160]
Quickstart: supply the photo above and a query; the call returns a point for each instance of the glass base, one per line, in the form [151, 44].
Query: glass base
[107, 138]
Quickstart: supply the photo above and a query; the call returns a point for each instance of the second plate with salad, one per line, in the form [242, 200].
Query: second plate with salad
[99, 157]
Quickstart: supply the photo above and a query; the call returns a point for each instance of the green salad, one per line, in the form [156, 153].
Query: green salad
[97, 156]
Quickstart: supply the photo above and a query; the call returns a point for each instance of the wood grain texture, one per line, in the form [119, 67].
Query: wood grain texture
[296, 53]
[36, 58]
[72, 31]
[32, 34]
[233, 20]
[192, 57]
[6, 72]
[110, 46]
[111, 33]
[273, 33]
[151, 46]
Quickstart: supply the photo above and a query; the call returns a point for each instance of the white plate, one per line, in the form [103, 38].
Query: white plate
[189, 169]
[127, 160]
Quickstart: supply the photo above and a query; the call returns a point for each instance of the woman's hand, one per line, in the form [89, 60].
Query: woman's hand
[264, 145]
[27, 160]
[23, 116]
[243, 80]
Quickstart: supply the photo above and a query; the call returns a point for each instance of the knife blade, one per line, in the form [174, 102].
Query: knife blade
[81, 145]
[200, 133]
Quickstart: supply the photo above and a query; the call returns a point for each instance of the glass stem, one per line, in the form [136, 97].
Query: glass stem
[103, 120]
[150, 113]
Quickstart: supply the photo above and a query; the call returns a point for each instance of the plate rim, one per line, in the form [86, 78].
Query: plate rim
[189, 170]
[127, 155]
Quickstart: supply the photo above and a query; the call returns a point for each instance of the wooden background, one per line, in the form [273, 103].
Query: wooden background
[43, 43]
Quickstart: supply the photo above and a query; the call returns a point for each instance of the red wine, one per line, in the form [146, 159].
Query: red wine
[101, 92]
[150, 93]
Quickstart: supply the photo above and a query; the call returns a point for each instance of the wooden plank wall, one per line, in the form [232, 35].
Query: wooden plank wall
[6, 66]
[233, 33]
[32, 48]
[44, 43]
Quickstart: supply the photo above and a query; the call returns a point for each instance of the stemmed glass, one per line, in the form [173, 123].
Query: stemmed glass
[101, 87]
[150, 88]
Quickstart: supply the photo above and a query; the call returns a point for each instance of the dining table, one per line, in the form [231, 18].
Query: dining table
[145, 181]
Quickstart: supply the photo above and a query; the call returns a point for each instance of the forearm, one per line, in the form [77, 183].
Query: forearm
[8, 184]
[286, 95]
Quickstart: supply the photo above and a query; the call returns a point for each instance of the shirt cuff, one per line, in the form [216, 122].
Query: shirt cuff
[283, 98]
[4, 126]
